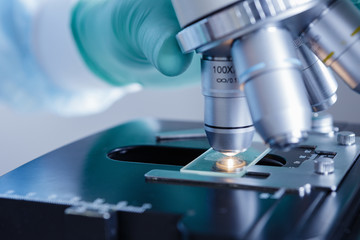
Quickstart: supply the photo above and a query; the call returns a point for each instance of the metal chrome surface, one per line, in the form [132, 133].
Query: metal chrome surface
[199, 9]
[346, 138]
[324, 165]
[238, 20]
[319, 81]
[227, 119]
[334, 37]
[323, 123]
[273, 85]
[329, 27]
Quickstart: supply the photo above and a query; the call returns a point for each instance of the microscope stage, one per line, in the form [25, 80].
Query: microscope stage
[123, 183]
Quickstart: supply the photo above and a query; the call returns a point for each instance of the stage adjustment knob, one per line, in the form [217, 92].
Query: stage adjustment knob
[324, 165]
[346, 138]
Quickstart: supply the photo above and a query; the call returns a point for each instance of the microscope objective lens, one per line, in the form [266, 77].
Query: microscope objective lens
[230, 154]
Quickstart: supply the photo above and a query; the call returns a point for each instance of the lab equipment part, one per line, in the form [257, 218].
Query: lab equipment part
[96, 188]
[334, 37]
[324, 165]
[346, 138]
[214, 163]
[273, 86]
[273, 46]
[227, 120]
[323, 123]
[319, 80]
[273, 166]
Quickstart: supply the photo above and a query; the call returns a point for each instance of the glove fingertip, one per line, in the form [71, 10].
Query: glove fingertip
[170, 60]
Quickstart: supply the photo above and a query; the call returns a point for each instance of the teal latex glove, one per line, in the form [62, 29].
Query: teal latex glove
[357, 3]
[121, 41]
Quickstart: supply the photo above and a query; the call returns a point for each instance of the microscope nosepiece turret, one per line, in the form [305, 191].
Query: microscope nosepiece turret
[280, 77]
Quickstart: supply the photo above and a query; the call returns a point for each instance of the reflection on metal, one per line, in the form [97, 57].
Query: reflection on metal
[181, 135]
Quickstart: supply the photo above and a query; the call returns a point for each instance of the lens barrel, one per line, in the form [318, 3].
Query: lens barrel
[228, 123]
[319, 80]
[274, 86]
[334, 37]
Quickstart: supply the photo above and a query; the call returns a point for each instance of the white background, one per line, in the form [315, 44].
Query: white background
[24, 137]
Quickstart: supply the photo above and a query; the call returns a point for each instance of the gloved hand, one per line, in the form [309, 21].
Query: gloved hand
[121, 41]
[357, 3]
[27, 83]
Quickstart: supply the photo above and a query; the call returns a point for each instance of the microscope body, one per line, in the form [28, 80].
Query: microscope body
[264, 66]
[281, 53]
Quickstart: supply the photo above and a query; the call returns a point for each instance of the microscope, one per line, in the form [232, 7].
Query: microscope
[266, 165]
[263, 65]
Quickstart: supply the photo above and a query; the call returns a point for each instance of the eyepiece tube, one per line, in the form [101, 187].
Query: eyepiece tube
[271, 74]
[319, 81]
[335, 38]
[228, 123]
